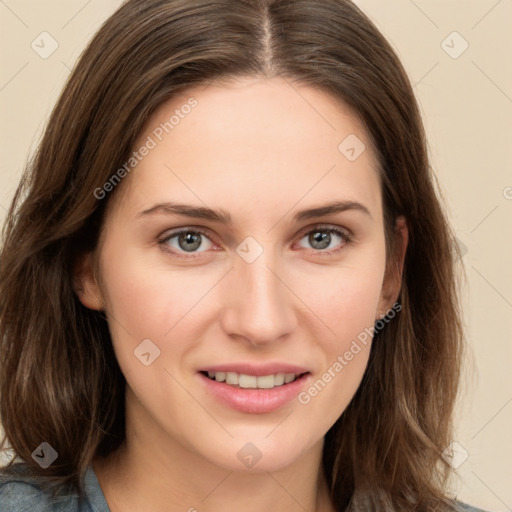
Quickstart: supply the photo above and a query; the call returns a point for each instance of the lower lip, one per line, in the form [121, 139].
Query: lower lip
[254, 401]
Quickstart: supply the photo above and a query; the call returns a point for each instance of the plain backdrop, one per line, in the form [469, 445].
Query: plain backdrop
[458, 56]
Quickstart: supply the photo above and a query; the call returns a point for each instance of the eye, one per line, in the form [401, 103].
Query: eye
[324, 238]
[185, 241]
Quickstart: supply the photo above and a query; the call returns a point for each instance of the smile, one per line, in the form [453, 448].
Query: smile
[242, 380]
[254, 394]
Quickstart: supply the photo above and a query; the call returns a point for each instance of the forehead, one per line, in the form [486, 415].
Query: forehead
[264, 143]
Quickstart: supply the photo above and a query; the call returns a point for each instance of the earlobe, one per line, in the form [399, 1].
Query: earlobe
[85, 283]
[392, 283]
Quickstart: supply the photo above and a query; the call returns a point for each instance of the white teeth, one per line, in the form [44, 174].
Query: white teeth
[289, 377]
[220, 376]
[251, 381]
[232, 378]
[247, 381]
[279, 379]
[266, 381]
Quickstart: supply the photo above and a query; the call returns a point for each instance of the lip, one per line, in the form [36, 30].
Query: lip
[254, 401]
[256, 369]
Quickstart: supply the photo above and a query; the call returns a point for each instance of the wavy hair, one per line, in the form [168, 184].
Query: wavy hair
[59, 378]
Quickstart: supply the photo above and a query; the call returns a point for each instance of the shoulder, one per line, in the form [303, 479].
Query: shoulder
[463, 507]
[22, 493]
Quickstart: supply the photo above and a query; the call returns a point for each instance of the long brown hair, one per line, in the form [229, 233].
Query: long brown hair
[60, 381]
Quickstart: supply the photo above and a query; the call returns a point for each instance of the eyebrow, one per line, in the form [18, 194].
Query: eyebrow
[222, 217]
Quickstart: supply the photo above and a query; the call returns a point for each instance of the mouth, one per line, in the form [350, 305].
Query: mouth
[246, 381]
[265, 392]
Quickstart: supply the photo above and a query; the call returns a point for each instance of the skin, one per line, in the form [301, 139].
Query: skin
[260, 150]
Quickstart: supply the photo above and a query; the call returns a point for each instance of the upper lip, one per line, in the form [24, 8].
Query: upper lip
[248, 368]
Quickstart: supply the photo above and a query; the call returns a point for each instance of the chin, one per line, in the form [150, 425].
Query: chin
[257, 453]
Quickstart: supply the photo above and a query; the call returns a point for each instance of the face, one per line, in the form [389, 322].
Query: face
[217, 262]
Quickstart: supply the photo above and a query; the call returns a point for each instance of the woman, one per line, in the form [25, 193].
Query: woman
[303, 353]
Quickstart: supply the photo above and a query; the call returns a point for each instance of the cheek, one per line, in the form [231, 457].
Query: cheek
[148, 297]
[149, 300]
[148, 308]
[345, 299]
[134, 298]
[346, 305]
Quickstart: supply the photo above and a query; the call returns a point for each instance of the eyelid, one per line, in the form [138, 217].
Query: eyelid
[324, 227]
[167, 235]
[170, 233]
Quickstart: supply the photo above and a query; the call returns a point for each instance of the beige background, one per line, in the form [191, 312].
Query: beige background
[467, 107]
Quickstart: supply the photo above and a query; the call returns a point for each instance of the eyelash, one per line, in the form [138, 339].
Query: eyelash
[345, 236]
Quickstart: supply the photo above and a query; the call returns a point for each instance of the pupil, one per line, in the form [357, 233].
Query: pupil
[189, 238]
[321, 239]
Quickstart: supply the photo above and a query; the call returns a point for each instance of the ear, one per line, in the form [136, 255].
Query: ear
[85, 282]
[392, 282]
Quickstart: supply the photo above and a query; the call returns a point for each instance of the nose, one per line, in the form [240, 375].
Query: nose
[259, 306]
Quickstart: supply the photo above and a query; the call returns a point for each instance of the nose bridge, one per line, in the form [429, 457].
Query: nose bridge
[264, 289]
[261, 308]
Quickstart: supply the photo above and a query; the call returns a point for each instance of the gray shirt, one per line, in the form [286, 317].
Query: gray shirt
[19, 493]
